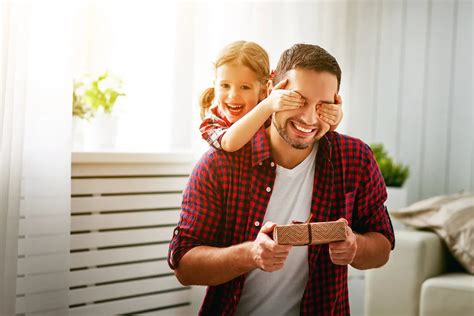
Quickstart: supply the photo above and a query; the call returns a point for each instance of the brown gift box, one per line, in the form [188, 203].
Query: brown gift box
[310, 233]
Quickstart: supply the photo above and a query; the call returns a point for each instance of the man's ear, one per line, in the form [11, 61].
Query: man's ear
[269, 86]
[266, 89]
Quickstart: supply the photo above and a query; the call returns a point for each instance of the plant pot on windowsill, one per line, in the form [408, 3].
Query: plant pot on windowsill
[94, 125]
[394, 175]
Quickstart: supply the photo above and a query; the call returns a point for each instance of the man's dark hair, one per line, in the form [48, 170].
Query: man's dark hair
[309, 57]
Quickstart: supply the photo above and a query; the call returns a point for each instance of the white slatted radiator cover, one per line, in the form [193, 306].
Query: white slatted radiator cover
[123, 211]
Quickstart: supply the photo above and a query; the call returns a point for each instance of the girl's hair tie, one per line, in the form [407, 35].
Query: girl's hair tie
[272, 74]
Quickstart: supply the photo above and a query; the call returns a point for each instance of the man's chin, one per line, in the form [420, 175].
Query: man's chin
[297, 144]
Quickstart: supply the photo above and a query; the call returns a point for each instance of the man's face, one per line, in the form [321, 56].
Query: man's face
[300, 127]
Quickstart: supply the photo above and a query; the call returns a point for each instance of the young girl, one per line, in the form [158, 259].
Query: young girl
[240, 96]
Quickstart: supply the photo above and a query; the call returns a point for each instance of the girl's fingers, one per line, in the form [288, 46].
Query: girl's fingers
[329, 112]
[292, 96]
[328, 117]
[330, 107]
[281, 84]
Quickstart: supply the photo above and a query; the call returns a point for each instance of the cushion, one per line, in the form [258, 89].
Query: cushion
[451, 217]
[448, 294]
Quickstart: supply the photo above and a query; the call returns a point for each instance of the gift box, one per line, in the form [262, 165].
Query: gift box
[310, 233]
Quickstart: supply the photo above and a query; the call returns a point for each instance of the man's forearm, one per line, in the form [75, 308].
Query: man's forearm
[373, 251]
[204, 265]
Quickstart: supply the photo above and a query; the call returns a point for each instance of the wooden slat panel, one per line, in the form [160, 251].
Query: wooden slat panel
[461, 109]
[43, 263]
[120, 255]
[116, 290]
[388, 77]
[123, 169]
[178, 311]
[364, 59]
[117, 238]
[42, 225]
[37, 302]
[119, 203]
[131, 305]
[437, 92]
[135, 219]
[128, 185]
[116, 273]
[413, 81]
[41, 282]
[42, 245]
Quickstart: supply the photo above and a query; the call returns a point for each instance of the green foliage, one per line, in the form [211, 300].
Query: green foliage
[90, 94]
[394, 174]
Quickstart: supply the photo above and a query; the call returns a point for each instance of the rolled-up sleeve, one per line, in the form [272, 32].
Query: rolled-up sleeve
[201, 211]
[371, 213]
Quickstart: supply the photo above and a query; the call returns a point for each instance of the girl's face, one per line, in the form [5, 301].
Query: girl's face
[237, 90]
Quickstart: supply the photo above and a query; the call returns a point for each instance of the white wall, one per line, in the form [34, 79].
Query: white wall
[407, 71]
[410, 87]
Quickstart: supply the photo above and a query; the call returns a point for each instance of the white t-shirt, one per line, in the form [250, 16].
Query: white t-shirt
[280, 292]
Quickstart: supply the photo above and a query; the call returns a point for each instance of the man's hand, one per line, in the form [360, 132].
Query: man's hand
[268, 255]
[343, 252]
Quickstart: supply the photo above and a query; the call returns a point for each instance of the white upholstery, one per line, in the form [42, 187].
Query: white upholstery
[448, 294]
[395, 288]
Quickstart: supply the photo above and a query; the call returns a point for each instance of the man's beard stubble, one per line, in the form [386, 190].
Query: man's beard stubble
[283, 133]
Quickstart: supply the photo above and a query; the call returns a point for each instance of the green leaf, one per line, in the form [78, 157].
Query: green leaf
[394, 174]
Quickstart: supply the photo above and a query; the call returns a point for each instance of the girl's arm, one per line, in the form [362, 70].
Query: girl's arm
[242, 131]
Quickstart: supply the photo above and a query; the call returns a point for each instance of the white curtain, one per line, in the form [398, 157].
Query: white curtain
[205, 27]
[164, 52]
[35, 117]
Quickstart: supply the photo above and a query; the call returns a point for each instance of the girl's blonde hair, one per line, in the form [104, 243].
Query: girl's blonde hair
[247, 54]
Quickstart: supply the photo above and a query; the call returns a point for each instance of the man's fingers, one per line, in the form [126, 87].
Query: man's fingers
[268, 227]
[275, 248]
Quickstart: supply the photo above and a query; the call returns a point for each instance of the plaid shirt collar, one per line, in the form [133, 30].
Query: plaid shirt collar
[261, 147]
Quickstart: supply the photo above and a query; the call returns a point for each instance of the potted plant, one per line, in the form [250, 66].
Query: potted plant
[94, 98]
[394, 174]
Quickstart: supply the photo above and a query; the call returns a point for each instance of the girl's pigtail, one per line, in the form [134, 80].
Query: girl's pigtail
[205, 101]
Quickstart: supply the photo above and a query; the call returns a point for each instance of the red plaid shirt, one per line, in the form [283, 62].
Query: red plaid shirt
[213, 127]
[227, 195]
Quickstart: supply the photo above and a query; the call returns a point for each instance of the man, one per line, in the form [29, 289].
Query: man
[287, 172]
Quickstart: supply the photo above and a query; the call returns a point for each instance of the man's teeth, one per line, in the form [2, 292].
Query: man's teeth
[306, 130]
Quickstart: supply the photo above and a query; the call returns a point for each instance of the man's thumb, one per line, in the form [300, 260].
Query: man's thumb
[268, 227]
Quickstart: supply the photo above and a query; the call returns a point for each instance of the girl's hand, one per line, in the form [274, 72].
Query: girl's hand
[331, 113]
[282, 100]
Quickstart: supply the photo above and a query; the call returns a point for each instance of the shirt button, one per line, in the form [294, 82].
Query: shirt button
[260, 163]
[257, 223]
[272, 164]
[269, 189]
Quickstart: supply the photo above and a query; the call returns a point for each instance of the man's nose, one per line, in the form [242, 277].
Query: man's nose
[309, 114]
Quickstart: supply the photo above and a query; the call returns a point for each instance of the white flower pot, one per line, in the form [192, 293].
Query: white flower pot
[396, 199]
[103, 132]
[79, 133]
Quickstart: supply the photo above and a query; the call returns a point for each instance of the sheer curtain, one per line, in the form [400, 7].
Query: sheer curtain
[164, 52]
[204, 27]
[35, 119]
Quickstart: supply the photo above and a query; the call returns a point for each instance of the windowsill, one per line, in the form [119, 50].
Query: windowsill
[131, 157]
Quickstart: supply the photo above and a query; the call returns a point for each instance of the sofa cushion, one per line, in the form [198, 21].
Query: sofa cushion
[451, 217]
[448, 294]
